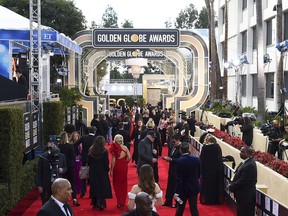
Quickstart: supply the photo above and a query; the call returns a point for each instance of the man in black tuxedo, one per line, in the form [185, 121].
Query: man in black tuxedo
[95, 122]
[86, 141]
[243, 184]
[125, 134]
[187, 181]
[51, 165]
[58, 205]
[175, 154]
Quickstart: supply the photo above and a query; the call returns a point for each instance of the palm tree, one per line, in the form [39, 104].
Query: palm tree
[225, 86]
[215, 75]
[279, 74]
[260, 62]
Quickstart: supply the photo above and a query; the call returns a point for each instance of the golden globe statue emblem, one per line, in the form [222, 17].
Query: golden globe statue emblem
[135, 53]
[134, 38]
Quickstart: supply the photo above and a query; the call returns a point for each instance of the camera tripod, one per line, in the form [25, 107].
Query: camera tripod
[283, 146]
[282, 111]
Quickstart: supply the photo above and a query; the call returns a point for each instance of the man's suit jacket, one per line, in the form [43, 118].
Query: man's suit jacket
[87, 141]
[187, 175]
[51, 208]
[172, 164]
[244, 182]
[44, 172]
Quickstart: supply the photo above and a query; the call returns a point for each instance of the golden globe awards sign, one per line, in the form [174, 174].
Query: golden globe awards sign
[136, 53]
[130, 38]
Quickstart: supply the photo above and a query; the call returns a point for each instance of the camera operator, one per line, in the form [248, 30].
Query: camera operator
[247, 131]
[51, 165]
[275, 135]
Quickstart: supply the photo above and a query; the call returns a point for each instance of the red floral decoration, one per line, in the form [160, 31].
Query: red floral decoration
[220, 134]
[283, 169]
[265, 158]
[236, 142]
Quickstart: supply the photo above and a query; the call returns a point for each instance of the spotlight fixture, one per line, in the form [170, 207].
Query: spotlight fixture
[244, 59]
[282, 46]
[62, 70]
[267, 59]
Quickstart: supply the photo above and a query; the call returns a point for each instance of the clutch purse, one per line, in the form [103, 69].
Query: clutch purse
[84, 172]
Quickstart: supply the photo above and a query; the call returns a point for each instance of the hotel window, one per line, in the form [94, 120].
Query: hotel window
[255, 85]
[243, 85]
[269, 32]
[244, 41]
[222, 50]
[285, 25]
[244, 4]
[255, 41]
[285, 83]
[223, 15]
[270, 85]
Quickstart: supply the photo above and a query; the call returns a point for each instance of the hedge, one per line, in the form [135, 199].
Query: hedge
[53, 115]
[11, 155]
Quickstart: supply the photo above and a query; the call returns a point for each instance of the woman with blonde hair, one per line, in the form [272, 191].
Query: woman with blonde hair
[100, 187]
[146, 183]
[119, 169]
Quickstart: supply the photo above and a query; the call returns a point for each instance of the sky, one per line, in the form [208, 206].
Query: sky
[142, 13]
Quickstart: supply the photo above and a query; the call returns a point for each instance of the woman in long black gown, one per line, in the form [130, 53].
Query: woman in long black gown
[212, 171]
[100, 187]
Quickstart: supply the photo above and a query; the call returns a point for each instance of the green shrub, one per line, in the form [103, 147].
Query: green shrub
[12, 148]
[29, 174]
[5, 203]
[53, 119]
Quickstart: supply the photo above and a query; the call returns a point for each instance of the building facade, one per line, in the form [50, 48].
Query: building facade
[242, 45]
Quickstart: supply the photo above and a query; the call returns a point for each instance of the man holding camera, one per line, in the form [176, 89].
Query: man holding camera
[275, 136]
[247, 131]
[51, 165]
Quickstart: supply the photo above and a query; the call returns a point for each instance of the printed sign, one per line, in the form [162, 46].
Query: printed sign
[113, 38]
[136, 53]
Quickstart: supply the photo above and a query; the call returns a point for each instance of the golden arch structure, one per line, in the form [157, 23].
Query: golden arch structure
[188, 94]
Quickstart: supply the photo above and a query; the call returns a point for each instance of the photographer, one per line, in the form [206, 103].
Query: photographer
[51, 165]
[247, 131]
[275, 135]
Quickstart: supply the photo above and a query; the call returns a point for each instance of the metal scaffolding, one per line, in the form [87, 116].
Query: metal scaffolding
[35, 61]
[35, 65]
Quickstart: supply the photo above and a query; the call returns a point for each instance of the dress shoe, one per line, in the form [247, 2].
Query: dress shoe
[76, 203]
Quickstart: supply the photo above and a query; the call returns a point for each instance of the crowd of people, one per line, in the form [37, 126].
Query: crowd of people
[149, 130]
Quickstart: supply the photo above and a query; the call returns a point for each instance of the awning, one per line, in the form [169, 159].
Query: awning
[17, 28]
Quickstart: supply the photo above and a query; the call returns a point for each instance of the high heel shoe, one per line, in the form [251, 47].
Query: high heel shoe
[76, 203]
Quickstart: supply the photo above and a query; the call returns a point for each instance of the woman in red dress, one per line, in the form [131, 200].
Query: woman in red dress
[119, 169]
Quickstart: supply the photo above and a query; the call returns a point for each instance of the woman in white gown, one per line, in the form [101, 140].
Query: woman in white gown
[146, 183]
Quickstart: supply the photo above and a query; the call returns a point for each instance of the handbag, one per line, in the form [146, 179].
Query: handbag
[84, 172]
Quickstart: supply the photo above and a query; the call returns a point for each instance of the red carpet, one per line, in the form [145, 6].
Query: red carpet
[32, 202]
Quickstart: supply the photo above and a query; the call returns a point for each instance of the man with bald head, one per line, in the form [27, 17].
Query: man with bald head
[244, 183]
[58, 205]
[143, 203]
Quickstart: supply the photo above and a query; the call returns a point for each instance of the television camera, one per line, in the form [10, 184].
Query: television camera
[266, 129]
[53, 159]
